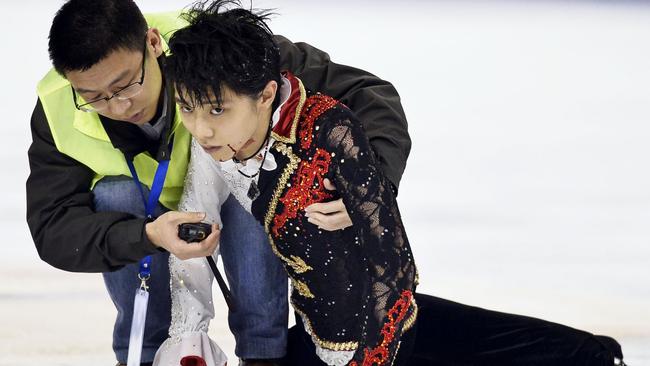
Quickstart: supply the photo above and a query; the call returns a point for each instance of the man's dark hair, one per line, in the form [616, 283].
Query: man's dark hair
[84, 32]
[222, 47]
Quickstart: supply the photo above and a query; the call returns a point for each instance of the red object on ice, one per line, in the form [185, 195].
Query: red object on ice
[193, 361]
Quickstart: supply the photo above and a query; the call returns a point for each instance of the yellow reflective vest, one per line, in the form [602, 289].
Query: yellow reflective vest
[81, 135]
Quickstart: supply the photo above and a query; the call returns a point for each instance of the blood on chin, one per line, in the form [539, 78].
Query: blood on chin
[232, 153]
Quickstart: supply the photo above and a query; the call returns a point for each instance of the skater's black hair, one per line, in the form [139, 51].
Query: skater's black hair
[223, 45]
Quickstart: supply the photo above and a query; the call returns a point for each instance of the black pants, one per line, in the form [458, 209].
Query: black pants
[447, 333]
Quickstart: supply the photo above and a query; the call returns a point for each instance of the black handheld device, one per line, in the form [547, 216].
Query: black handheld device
[194, 232]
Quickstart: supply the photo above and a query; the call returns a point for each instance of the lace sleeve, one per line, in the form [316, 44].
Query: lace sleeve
[191, 279]
[370, 201]
[204, 190]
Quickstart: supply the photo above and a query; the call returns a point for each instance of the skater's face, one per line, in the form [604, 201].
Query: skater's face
[125, 85]
[235, 128]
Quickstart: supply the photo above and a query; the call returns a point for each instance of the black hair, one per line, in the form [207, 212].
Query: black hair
[84, 32]
[222, 47]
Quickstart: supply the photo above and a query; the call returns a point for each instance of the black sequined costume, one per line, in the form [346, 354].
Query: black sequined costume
[353, 288]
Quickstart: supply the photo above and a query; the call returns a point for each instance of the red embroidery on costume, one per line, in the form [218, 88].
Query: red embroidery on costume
[307, 187]
[314, 107]
[379, 355]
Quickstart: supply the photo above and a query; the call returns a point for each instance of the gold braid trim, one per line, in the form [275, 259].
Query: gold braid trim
[296, 118]
[299, 265]
[349, 346]
[295, 262]
[302, 288]
[334, 346]
[282, 182]
[408, 323]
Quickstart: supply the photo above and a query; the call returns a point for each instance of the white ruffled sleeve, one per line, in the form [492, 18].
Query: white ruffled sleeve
[191, 280]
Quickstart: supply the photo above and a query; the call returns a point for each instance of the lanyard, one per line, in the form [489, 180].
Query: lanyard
[142, 293]
[151, 203]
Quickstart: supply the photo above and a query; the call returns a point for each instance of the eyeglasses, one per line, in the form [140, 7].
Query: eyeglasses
[123, 94]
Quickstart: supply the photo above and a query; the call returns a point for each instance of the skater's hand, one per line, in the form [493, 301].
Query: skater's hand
[163, 232]
[329, 216]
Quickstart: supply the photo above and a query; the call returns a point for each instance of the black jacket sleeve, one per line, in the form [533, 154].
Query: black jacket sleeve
[374, 101]
[67, 232]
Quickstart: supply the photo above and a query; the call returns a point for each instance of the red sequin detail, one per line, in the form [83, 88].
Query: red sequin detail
[314, 107]
[307, 187]
[379, 355]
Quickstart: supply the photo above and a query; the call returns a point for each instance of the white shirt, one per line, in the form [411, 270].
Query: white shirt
[207, 185]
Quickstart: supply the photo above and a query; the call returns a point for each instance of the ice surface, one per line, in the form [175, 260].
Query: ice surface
[527, 188]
